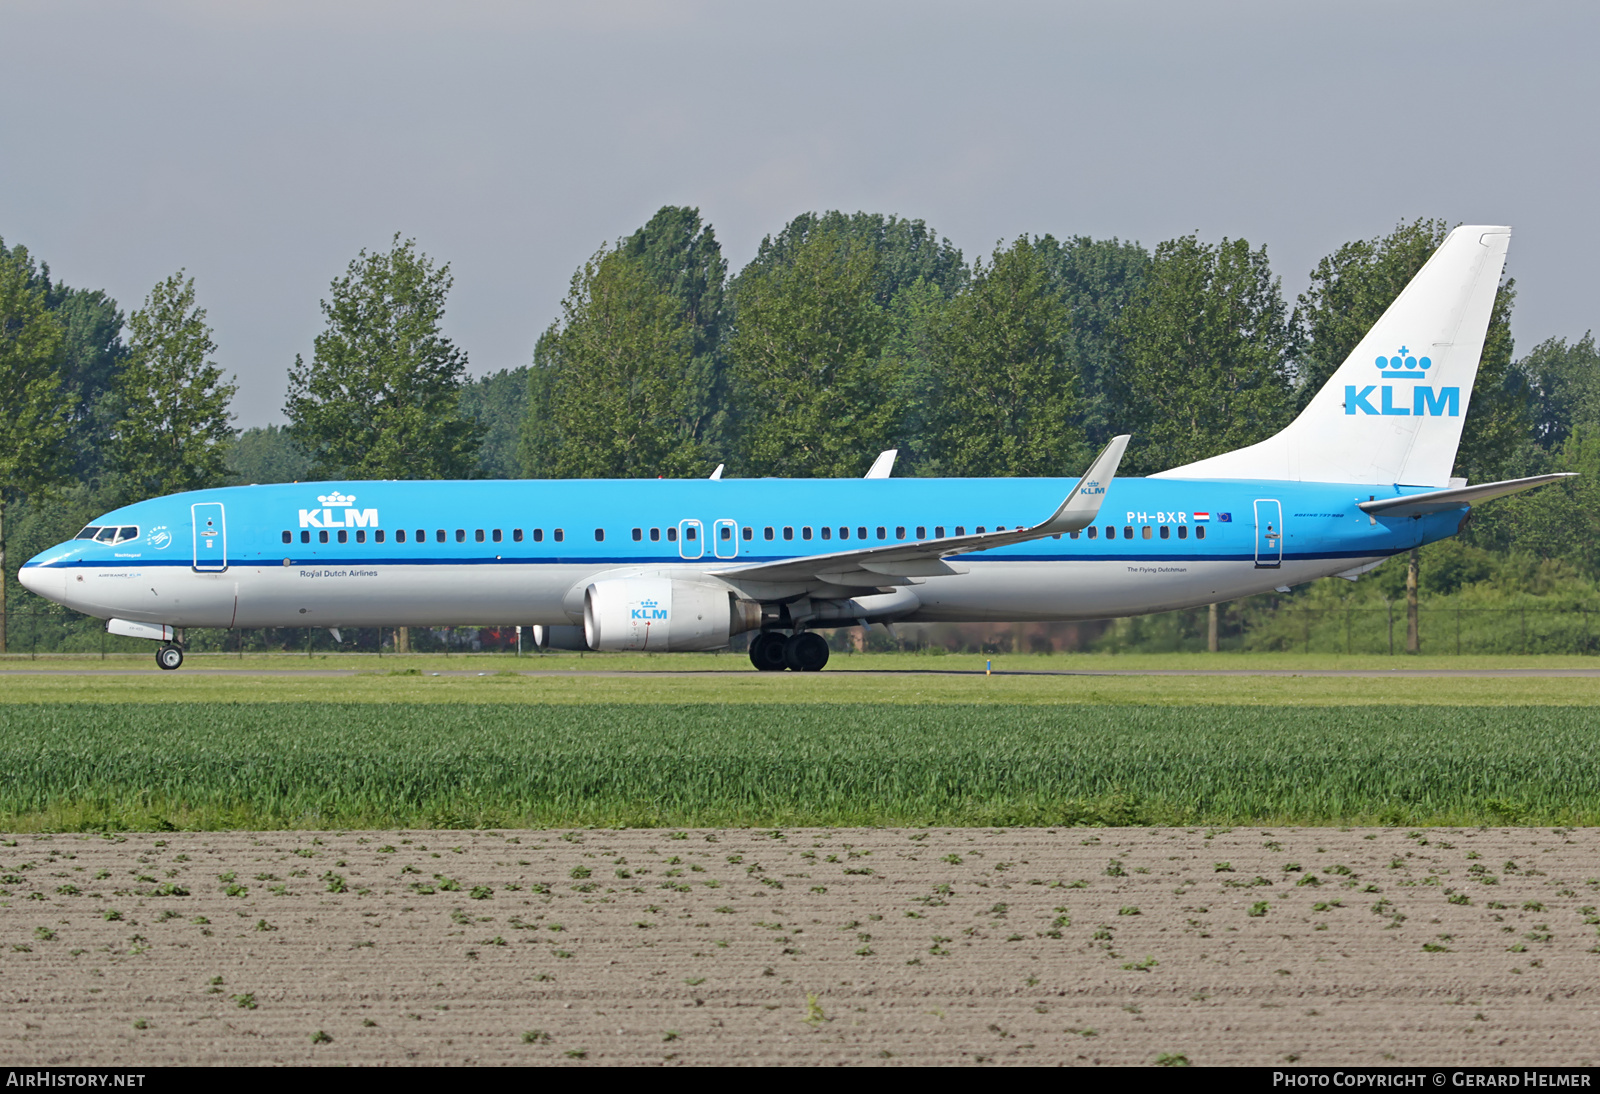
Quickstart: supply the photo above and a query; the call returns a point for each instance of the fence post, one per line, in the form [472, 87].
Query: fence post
[1389, 607]
[1211, 629]
[1458, 632]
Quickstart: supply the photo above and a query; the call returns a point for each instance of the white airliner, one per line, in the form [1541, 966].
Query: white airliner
[1363, 473]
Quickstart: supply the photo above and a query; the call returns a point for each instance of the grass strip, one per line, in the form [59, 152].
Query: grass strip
[88, 767]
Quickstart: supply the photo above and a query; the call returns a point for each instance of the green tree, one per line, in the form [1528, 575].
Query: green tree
[381, 395]
[682, 257]
[498, 403]
[1006, 402]
[1095, 279]
[816, 396]
[1351, 288]
[34, 425]
[618, 398]
[1208, 352]
[1565, 384]
[905, 251]
[174, 431]
[266, 454]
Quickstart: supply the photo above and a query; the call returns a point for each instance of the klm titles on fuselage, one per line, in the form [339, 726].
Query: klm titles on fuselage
[323, 518]
[1425, 401]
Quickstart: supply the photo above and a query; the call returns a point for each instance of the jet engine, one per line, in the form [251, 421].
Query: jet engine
[664, 614]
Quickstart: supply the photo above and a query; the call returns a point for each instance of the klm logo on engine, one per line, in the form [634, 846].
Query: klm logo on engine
[324, 518]
[648, 610]
[1425, 401]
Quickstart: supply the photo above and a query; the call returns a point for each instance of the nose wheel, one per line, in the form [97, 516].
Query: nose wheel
[169, 657]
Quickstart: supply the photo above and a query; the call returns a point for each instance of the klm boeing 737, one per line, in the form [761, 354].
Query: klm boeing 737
[1362, 474]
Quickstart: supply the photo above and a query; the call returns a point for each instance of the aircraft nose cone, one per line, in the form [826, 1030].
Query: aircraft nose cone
[49, 582]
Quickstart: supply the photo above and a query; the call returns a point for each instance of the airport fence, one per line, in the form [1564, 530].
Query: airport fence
[1444, 629]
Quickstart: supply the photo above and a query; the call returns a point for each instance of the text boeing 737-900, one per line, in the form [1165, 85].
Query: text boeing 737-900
[1361, 474]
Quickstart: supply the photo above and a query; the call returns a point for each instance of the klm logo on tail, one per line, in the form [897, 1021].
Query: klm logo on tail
[1425, 401]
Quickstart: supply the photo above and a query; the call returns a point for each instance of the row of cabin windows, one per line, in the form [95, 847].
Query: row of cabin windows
[440, 535]
[725, 532]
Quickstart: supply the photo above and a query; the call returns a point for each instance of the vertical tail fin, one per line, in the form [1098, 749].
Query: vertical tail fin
[1393, 411]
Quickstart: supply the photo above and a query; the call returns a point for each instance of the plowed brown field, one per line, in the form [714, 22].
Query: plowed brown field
[1113, 946]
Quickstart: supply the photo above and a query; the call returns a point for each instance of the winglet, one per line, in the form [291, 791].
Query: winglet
[1083, 504]
[716, 476]
[882, 465]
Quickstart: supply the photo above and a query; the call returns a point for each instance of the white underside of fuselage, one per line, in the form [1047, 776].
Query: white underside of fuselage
[385, 595]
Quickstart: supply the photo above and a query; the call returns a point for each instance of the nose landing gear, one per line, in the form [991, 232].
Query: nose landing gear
[773, 651]
[169, 657]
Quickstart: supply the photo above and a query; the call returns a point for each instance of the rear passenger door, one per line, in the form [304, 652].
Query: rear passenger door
[210, 537]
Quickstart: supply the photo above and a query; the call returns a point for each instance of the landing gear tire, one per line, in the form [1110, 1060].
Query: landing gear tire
[806, 652]
[766, 651]
[169, 657]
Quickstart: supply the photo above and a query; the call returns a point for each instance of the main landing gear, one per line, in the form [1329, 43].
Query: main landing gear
[773, 651]
[169, 657]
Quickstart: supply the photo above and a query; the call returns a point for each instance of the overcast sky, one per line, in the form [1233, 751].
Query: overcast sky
[262, 145]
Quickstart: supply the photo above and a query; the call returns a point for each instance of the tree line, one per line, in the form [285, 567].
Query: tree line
[846, 334]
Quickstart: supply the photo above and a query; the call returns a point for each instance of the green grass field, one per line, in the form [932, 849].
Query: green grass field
[331, 764]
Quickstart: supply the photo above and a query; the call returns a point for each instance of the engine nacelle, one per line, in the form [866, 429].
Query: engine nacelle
[664, 614]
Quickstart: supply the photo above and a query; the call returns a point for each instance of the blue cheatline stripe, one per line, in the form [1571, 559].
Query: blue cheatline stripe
[708, 563]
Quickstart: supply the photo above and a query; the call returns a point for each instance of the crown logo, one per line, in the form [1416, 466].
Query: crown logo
[336, 498]
[1404, 366]
[647, 603]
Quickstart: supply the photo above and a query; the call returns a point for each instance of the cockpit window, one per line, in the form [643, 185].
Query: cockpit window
[107, 535]
[127, 532]
[89, 532]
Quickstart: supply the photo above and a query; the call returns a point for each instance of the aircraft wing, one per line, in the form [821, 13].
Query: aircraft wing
[903, 563]
[1438, 501]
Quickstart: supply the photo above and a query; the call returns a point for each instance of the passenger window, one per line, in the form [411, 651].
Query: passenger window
[1093, 531]
[999, 527]
[748, 532]
[478, 535]
[516, 535]
[727, 533]
[1074, 535]
[844, 531]
[305, 537]
[882, 532]
[1200, 532]
[1166, 531]
[805, 532]
[980, 529]
[599, 535]
[961, 529]
[900, 532]
[826, 532]
[344, 536]
[378, 536]
[1183, 531]
[1148, 532]
[461, 535]
[1111, 532]
[655, 535]
[440, 535]
[638, 535]
[672, 535]
[1127, 531]
[922, 533]
[322, 537]
[560, 534]
[497, 535]
[361, 537]
[538, 535]
[788, 532]
[861, 533]
[288, 537]
[938, 531]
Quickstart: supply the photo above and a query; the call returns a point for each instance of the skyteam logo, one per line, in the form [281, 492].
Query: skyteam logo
[324, 518]
[1424, 402]
[648, 610]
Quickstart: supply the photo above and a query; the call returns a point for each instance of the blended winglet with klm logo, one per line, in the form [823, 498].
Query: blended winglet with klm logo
[1393, 412]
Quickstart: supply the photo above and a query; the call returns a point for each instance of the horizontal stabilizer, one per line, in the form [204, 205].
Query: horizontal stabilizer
[906, 563]
[1439, 501]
